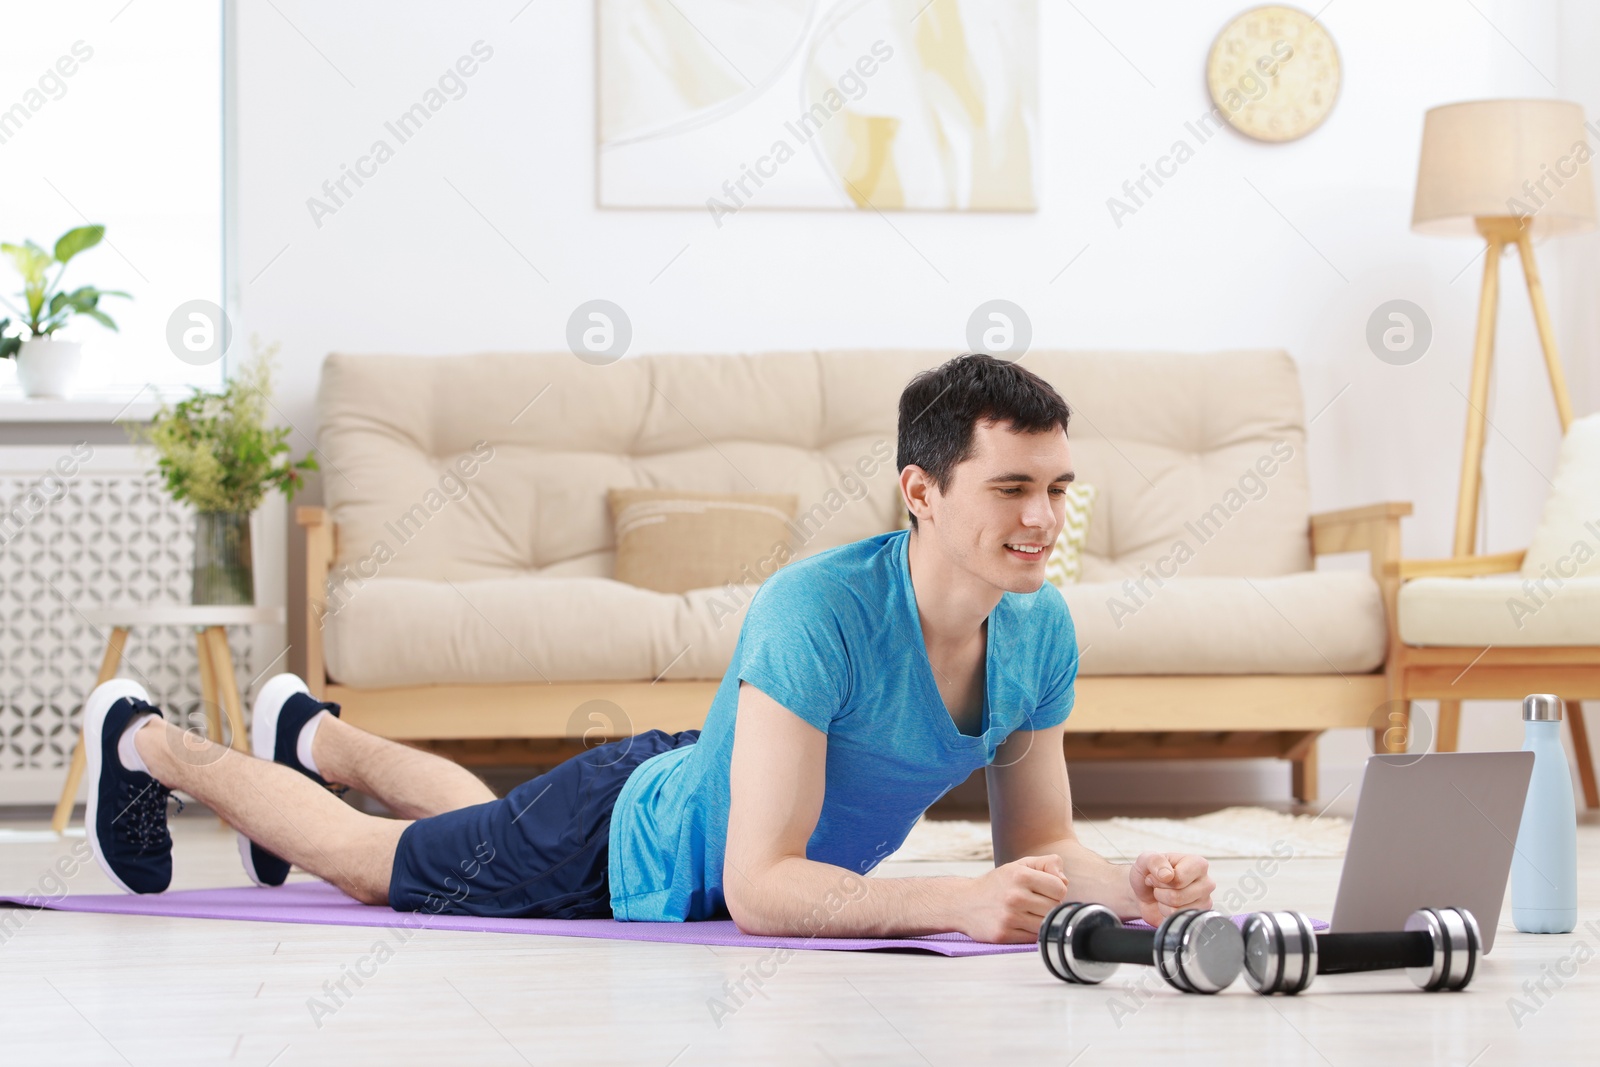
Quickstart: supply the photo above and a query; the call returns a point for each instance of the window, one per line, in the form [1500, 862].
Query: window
[111, 112]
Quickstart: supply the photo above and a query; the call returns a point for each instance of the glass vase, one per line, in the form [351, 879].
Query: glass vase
[222, 572]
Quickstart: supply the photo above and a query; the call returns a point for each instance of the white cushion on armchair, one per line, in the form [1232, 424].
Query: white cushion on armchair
[1570, 526]
[1555, 600]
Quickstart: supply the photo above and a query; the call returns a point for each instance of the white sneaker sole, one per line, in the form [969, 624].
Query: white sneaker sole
[249, 864]
[264, 739]
[94, 721]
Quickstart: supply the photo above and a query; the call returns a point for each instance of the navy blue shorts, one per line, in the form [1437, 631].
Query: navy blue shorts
[538, 852]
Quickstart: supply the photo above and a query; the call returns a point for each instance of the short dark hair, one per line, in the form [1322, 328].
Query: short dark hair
[940, 409]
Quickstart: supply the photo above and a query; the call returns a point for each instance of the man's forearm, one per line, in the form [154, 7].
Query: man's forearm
[1094, 879]
[797, 897]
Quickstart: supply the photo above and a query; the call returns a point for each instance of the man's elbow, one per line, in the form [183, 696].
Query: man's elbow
[755, 902]
[749, 923]
[745, 911]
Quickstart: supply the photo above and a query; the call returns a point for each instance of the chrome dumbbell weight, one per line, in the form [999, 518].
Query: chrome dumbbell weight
[1438, 948]
[1195, 951]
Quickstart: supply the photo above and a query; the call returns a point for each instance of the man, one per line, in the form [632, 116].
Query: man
[867, 682]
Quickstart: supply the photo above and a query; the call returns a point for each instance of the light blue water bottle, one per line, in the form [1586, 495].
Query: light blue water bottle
[1544, 869]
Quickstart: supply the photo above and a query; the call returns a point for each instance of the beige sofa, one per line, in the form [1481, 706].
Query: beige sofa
[459, 588]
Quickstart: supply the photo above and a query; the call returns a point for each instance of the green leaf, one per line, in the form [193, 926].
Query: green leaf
[81, 299]
[101, 317]
[86, 296]
[77, 240]
[30, 259]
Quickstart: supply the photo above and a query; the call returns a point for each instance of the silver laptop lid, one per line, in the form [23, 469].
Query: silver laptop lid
[1434, 830]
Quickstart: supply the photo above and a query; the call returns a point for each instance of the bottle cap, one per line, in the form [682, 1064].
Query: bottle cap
[1541, 707]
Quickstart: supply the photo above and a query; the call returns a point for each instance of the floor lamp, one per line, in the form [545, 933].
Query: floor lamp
[1510, 171]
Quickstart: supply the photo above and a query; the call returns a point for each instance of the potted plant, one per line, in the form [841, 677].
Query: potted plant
[215, 452]
[47, 367]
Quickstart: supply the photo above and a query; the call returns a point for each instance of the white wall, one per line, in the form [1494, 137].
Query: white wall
[409, 265]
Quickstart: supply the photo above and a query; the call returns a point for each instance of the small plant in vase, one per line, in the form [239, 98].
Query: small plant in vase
[46, 367]
[215, 452]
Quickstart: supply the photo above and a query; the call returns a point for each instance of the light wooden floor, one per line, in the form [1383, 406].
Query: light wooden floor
[96, 989]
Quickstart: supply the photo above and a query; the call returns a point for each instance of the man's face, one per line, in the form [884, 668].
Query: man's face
[1004, 506]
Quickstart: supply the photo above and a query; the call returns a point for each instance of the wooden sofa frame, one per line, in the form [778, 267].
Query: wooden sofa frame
[1115, 717]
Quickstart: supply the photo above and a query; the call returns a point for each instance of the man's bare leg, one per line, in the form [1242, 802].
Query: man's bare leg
[278, 808]
[412, 783]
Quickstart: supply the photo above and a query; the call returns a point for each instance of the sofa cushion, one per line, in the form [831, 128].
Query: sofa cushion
[1316, 622]
[408, 631]
[1206, 450]
[1500, 610]
[399, 632]
[474, 542]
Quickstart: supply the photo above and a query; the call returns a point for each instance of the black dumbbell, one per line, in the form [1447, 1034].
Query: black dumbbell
[1195, 951]
[1438, 949]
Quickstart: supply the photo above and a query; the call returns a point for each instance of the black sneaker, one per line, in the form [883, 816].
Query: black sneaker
[126, 821]
[281, 711]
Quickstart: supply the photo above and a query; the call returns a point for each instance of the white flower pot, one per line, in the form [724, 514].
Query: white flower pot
[48, 368]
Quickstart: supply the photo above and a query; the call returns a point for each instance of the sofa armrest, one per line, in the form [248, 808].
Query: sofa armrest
[319, 560]
[1389, 509]
[1460, 566]
[1374, 529]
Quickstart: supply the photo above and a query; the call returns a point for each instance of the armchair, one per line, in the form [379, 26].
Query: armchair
[1498, 627]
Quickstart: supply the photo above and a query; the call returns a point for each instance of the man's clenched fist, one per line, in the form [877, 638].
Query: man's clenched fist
[1165, 882]
[1009, 903]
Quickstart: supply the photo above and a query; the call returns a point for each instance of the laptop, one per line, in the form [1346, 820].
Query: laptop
[1436, 830]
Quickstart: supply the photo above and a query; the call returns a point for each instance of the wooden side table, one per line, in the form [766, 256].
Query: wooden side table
[219, 687]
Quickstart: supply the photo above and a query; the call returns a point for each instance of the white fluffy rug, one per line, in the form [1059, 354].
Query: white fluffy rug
[1231, 833]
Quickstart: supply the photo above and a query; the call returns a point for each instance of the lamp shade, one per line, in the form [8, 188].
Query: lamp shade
[1483, 158]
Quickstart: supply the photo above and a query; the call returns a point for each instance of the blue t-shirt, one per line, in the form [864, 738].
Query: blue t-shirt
[836, 639]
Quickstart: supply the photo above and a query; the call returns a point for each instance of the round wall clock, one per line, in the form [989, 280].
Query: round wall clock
[1273, 73]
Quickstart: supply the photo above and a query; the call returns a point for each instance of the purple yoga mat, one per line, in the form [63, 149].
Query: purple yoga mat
[321, 904]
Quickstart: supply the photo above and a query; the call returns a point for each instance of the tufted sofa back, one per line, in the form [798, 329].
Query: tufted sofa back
[479, 466]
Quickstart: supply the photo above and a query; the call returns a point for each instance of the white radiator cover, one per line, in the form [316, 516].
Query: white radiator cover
[105, 533]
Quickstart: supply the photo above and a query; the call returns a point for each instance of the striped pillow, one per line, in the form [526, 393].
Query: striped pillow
[1065, 564]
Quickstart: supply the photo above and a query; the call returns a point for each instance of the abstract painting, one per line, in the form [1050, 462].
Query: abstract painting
[724, 105]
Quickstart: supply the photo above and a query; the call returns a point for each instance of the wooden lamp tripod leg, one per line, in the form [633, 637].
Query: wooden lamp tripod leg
[1547, 332]
[1466, 536]
[1580, 745]
[1558, 387]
